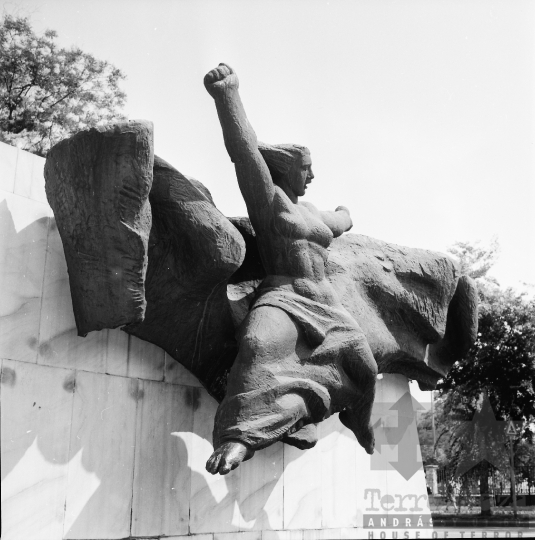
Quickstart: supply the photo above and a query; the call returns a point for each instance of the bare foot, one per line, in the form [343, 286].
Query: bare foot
[228, 456]
[220, 79]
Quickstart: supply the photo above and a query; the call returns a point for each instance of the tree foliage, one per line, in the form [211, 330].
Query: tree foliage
[501, 362]
[48, 93]
[476, 260]
[497, 374]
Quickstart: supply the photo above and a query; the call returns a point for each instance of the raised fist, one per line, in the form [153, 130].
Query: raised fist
[220, 79]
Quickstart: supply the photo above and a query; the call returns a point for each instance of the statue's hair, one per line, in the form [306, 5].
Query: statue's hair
[280, 157]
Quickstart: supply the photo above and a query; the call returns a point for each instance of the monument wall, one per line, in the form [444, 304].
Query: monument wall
[106, 437]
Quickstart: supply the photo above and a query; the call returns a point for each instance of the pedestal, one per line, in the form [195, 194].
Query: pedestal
[106, 437]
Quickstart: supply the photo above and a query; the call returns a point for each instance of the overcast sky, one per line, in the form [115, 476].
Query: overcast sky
[419, 115]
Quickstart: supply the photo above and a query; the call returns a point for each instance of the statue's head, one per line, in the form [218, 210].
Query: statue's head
[289, 164]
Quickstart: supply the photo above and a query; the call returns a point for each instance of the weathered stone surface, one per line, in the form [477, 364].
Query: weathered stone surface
[193, 250]
[97, 183]
[404, 299]
[301, 356]
[461, 328]
[169, 289]
[327, 313]
[284, 320]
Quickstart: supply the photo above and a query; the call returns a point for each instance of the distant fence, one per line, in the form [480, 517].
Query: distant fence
[452, 487]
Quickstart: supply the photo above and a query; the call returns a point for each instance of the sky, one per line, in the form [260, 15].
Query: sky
[419, 115]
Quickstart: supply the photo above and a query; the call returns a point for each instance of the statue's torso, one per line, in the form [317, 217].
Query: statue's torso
[293, 244]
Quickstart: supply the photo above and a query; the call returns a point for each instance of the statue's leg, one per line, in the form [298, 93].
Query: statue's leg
[268, 343]
[359, 364]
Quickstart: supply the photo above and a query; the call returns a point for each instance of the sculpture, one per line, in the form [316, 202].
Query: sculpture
[301, 355]
[147, 250]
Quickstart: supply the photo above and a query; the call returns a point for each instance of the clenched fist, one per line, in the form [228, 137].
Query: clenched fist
[220, 79]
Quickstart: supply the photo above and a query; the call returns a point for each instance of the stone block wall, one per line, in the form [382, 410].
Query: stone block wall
[106, 437]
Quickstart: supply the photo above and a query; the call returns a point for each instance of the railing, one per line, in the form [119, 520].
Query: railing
[449, 485]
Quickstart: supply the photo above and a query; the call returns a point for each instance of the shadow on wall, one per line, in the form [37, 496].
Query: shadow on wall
[89, 455]
[90, 450]
[95, 447]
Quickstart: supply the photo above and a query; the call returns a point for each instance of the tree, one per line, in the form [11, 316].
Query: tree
[495, 380]
[475, 260]
[502, 361]
[48, 93]
[435, 452]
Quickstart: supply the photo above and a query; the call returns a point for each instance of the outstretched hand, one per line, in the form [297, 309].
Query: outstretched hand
[220, 79]
[349, 223]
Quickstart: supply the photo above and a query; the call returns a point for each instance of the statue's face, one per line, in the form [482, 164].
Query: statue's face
[300, 174]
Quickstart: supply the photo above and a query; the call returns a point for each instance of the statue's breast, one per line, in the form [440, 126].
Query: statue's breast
[295, 222]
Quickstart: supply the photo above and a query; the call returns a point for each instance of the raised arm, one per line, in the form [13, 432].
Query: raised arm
[253, 174]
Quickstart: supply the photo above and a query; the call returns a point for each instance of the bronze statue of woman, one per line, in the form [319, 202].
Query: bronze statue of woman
[302, 357]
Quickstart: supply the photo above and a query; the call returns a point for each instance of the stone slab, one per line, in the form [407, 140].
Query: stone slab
[213, 498]
[302, 488]
[339, 474]
[99, 490]
[145, 360]
[160, 503]
[8, 167]
[24, 228]
[29, 178]
[37, 406]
